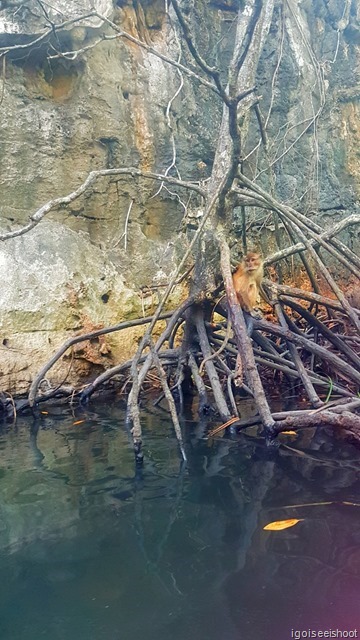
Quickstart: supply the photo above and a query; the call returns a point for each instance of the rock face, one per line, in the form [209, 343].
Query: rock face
[117, 105]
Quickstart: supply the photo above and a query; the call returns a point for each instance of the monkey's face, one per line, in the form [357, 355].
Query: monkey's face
[252, 261]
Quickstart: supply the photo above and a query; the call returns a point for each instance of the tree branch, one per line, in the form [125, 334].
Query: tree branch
[91, 178]
[212, 72]
[86, 336]
[299, 246]
[149, 49]
[48, 32]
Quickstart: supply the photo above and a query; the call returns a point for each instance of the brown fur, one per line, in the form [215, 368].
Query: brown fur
[247, 280]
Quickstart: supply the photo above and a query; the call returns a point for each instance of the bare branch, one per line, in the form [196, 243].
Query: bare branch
[299, 246]
[343, 368]
[149, 49]
[170, 400]
[86, 336]
[45, 34]
[212, 72]
[92, 177]
[293, 292]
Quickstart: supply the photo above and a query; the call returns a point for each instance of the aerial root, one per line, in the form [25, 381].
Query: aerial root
[321, 354]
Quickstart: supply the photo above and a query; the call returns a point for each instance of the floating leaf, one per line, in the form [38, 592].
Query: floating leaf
[278, 525]
[78, 422]
[44, 413]
[289, 433]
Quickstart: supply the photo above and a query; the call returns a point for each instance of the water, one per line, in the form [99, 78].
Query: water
[91, 549]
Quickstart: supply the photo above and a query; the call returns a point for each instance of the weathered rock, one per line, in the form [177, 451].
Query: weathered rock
[55, 281]
[107, 107]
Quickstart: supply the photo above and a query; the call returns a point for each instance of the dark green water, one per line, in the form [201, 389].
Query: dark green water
[90, 549]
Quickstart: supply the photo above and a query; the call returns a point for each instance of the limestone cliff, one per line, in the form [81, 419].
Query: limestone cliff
[101, 258]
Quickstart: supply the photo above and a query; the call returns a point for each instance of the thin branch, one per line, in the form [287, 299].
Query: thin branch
[287, 367]
[353, 219]
[48, 32]
[172, 164]
[91, 178]
[149, 49]
[124, 235]
[325, 272]
[327, 333]
[170, 400]
[86, 336]
[212, 72]
[306, 295]
[343, 367]
[308, 385]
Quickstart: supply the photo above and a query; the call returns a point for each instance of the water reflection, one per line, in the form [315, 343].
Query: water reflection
[91, 548]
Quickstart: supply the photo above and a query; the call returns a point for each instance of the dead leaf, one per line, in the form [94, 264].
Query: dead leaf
[78, 422]
[278, 525]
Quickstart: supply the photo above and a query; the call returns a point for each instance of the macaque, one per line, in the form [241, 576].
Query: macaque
[247, 281]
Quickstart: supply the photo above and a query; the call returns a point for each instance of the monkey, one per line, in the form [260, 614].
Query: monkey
[247, 281]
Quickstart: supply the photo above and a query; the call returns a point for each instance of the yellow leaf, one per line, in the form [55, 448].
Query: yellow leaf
[289, 433]
[278, 525]
[44, 413]
[78, 422]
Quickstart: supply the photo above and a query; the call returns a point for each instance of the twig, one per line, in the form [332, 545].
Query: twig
[212, 72]
[48, 32]
[143, 45]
